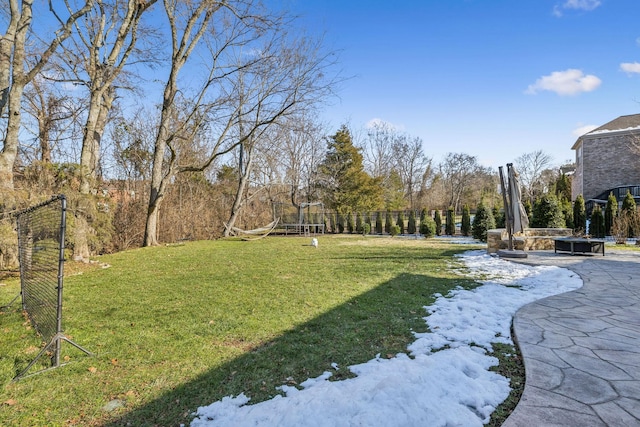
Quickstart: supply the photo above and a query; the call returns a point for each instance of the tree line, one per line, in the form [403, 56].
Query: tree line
[166, 121]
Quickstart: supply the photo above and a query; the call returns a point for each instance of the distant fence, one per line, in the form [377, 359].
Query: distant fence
[41, 237]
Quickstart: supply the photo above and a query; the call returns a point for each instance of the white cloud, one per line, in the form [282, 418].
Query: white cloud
[630, 67]
[382, 124]
[576, 5]
[568, 82]
[583, 129]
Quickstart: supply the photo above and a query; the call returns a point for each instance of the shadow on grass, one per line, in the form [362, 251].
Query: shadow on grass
[379, 321]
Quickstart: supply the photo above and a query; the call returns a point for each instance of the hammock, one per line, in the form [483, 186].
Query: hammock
[256, 233]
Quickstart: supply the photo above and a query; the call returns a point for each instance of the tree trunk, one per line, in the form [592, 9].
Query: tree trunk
[238, 202]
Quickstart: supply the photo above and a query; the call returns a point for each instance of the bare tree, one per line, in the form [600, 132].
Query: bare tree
[457, 171]
[255, 76]
[55, 115]
[300, 148]
[109, 39]
[411, 164]
[531, 167]
[378, 148]
[288, 79]
[14, 75]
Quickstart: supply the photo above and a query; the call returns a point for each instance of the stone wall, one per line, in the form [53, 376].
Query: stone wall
[532, 239]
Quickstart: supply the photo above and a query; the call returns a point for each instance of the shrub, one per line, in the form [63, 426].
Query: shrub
[427, 227]
[366, 229]
[400, 221]
[498, 216]
[620, 227]
[394, 230]
[351, 226]
[438, 221]
[388, 222]
[596, 225]
[340, 224]
[547, 213]
[379, 223]
[465, 226]
[450, 225]
[567, 212]
[423, 214]
[411, 225]
[482, 222]
[358, 223]
[579, 215]
[610, 212]
[629, 208]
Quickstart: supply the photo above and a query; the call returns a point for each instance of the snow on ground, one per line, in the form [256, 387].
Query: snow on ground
[444, 381]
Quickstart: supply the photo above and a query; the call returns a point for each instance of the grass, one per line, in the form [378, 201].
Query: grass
[181, 326]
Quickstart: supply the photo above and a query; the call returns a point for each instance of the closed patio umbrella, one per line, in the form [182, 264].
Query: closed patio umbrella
[518, 213]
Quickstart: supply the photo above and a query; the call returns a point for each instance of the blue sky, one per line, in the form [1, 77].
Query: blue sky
[491, 78]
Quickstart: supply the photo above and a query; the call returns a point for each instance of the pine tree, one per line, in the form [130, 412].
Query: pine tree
[610, 212]
[596, 225]
[450, 225]
[345, 184]
[579, 215]
[359, 223]
[465, 226]
[438, 220]
[411, 226]
[547, 213]
[482, 222]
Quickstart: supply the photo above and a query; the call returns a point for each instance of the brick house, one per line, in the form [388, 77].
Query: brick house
[608, 160]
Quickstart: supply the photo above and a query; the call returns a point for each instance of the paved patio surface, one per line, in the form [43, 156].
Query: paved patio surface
[581, 349]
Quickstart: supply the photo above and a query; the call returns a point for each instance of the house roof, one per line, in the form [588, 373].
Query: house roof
[623, 123]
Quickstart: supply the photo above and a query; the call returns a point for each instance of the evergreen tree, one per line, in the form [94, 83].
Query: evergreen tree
[579, 215]
[567, 212]
[400, 222]
[527, 208]
[427, 226]
[498, 216]
[563, 187]
[351, 227]
[340, 223]
[411, 225]
[367, 220]
[423, 214]
[359, 223]
[388, 222]
[629, 210]
[596, 225]
[450, 225]
[438, 220]
[482, 222]
[547, 213]
[610, 212]
[378, 222]
[345, 184]
[465, 226]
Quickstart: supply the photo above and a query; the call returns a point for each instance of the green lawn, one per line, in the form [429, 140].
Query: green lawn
[181, 326]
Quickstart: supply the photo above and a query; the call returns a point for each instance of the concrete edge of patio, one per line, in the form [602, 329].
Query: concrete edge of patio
[581, 349]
